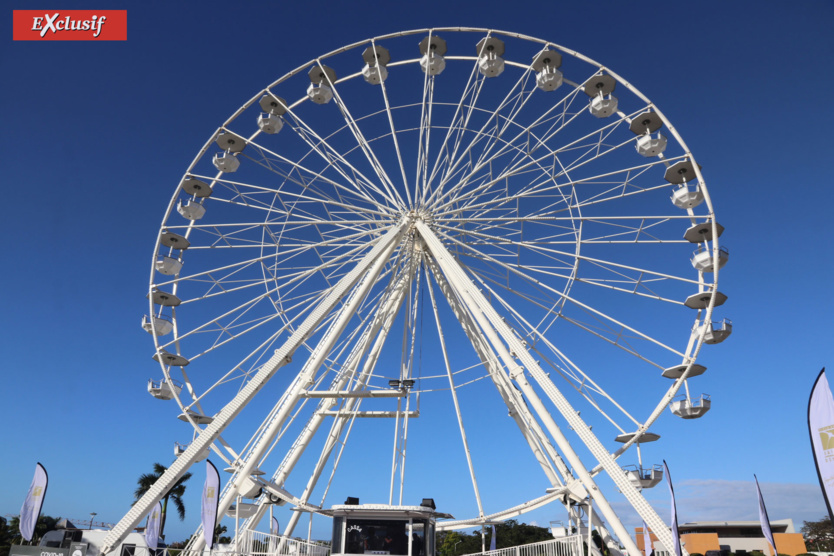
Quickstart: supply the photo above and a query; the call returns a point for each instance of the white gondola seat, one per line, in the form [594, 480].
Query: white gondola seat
[320, 94]
[690, 409]
[226, 162]
[375, 57]
[164, 389]
[374, 74]
[702, 259]
[599, 89]
[270, 123]
[602, 107]
[157, 325]
[717, 331]
[649, 146]
[168, 265]
[321, 78]
[191, 210]
[489, 51]
[642, 477]
[686, 198]
[432, 49]
[546, 65]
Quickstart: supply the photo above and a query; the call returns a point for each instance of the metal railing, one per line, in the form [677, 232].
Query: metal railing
[565, 546]
[251, 543]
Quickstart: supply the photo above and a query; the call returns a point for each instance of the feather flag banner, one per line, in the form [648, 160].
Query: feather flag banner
[821, 429]
[211, 499]
[676, 539]
[33, 503]
[152, 528]
[768, 533]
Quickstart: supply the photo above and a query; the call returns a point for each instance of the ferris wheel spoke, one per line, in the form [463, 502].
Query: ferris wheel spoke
[518, 409]
[424, 137]
[371, 157]
[456, 128]
[394, 134]
[486, 159]
[567, 298]
[333, 158]
[491, 138]
[295, 273]
[307, 178]
[456, 403]
[250, 201]
[560, 123]
[565, 259]
[578, 379]
[518, 167]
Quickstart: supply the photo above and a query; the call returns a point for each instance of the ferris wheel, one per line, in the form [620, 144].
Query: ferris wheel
[401, 242]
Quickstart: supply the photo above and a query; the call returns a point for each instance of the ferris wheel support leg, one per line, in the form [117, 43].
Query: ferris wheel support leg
[314, 362]
[499, 332]
[378, 331]
[376, 256]
[528, 426]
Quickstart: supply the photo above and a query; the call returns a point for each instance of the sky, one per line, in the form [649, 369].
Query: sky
[97, 135]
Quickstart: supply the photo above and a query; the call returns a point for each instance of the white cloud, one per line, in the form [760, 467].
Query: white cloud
[721, 500]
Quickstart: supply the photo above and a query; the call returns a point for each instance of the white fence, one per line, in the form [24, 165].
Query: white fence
[251, 543]
[254, 543]
[564, 546]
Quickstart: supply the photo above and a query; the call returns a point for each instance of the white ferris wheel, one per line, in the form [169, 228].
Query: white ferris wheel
[465, 228]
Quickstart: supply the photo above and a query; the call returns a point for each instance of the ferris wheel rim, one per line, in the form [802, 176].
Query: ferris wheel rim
[686, 154]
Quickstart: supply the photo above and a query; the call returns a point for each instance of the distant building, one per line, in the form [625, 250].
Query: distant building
[701, 536]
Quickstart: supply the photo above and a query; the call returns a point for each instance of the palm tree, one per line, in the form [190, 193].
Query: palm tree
[175, 494]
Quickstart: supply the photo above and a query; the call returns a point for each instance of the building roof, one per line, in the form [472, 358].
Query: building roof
[787, 524]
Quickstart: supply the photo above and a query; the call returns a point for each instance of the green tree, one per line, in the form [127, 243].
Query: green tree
[10, 531]
[218, 534]
[447, 543]
[175, 494]
[819, 535]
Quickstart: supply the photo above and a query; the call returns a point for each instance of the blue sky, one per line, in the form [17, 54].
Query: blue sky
[97, 135]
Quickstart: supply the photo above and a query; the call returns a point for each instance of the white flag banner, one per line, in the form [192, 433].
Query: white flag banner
[211, 499]
[647, 540]
[274, 529]
[821, 429]
[31, 509]
[676, 539]
[763, 518]
[492, 539]
[152, 527]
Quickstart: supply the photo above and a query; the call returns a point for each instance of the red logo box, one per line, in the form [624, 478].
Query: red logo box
[70, 25]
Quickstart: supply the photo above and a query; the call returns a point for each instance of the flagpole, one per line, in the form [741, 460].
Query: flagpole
[813, 443]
